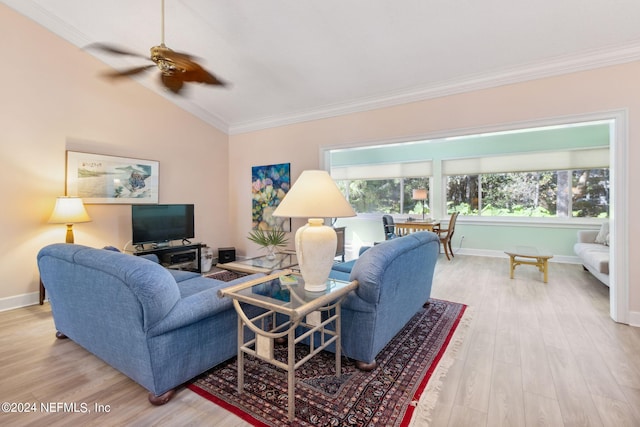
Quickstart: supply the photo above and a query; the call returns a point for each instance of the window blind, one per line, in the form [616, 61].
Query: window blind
[383, 170]
[525, 162]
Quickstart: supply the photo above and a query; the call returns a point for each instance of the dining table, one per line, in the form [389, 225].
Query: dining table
[407, 227]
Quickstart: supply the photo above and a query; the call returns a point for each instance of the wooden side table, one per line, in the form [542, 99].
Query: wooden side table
[529, 255]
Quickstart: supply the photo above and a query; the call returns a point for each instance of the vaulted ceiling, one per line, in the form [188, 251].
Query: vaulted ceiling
[294, 60]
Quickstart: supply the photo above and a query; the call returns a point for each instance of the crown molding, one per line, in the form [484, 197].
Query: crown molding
[206, 116]
[44, 18]
[557, 66]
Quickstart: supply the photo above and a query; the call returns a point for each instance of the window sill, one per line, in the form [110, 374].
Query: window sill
[505, 221]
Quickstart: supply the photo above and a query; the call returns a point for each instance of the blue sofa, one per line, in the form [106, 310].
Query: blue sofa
[395, 279]
[159, 327]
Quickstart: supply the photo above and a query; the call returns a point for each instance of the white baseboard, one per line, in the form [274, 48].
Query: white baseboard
[634, 318]
[9, 303]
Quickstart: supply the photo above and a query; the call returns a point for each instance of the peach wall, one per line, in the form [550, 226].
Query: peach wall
[52, 100]
[604, 89]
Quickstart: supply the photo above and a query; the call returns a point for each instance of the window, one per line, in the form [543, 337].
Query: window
[572, 193]
[392, 196]
[556, 171]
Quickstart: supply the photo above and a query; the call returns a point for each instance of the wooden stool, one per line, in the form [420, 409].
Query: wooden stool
[528, 255]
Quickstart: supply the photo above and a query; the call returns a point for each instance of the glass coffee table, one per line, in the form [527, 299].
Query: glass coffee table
[287, 307]
[262, 264]
[529, 255]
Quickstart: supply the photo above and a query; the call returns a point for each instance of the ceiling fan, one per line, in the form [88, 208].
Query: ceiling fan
[176, 68]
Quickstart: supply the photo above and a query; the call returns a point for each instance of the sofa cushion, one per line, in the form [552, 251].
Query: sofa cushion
[344, 267]
[594, 255]
[197, 283]
[182, 275]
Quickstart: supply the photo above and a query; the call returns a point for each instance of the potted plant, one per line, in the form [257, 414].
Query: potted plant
[269, 239]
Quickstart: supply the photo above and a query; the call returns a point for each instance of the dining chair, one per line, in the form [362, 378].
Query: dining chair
[447, 233]
[389, 227]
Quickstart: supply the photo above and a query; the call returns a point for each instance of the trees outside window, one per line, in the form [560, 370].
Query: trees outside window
[576, 193]
[385, 196]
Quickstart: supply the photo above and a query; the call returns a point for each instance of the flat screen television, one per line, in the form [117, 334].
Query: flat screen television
[161, 224]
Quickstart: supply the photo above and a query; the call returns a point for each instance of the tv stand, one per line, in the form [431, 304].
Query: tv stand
[161, 245]
[179, 257]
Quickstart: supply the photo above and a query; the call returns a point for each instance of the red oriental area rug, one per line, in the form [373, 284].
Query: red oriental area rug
[386, 396]
[225, 275]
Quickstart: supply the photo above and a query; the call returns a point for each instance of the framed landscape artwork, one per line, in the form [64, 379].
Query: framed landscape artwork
[97, 178]
[269, 185]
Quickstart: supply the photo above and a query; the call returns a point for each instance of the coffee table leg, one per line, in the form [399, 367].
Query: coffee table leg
[291, 374]
[338, 342]
[545, 269]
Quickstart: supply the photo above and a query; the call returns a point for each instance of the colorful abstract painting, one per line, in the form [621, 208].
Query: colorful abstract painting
[269, 185]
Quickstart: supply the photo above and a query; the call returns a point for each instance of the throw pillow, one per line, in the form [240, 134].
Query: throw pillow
[603, 234]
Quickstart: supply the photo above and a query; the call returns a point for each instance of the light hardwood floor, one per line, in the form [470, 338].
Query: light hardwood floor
[533, 354]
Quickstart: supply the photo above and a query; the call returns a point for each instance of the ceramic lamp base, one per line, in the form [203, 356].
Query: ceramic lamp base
[316, 246]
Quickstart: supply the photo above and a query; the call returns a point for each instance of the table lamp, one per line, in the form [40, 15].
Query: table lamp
[315, 196]
[69, 210]
[420, 194]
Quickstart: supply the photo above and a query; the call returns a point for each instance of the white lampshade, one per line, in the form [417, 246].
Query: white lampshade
[419, 194]
[315, 196]
[69, 210]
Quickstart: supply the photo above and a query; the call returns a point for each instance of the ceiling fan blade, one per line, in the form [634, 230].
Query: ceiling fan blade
[114, 50]
[195, 73]
[114, 74]
[177, 56]
[191, 70]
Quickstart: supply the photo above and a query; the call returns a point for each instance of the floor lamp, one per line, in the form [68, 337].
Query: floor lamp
[315, 196]
[69, 210]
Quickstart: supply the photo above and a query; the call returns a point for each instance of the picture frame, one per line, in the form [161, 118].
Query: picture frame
[103, 179]
[269, 185]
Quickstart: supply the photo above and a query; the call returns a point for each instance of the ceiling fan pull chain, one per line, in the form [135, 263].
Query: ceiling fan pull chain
[162, 24]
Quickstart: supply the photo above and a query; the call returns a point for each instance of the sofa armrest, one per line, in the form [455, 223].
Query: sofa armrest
[587, 236]
[151, 257]
[354, 303]
[192, 309]
[363, 249]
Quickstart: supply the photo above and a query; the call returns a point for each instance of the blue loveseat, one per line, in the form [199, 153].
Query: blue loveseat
[157, 326]
[395, 279]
